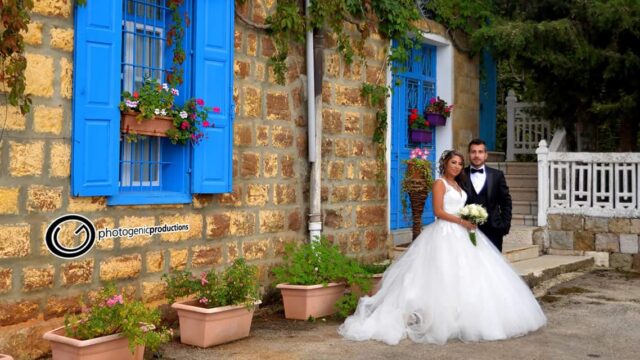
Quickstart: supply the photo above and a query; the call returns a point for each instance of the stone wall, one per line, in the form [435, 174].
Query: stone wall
[615, 240]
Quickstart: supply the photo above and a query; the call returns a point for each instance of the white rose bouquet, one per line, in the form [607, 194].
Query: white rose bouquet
[476, 214]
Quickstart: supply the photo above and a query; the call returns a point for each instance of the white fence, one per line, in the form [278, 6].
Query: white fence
[595, 184]
[524, 131]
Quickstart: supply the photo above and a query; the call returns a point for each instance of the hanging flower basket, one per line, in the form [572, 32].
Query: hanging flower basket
[156, 126]
[436, 119]
[421, 136]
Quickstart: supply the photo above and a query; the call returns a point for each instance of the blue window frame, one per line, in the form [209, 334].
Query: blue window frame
[117, 44]
[414, 86]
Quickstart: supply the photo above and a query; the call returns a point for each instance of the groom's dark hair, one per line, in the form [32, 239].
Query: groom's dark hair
[476, 142]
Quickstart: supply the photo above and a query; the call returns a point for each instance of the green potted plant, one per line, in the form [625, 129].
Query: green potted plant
[151, 111]
[438, 111]
[417, 184]
[219, 307]
[148, 110]
[374, 272]
[313, 278]
[113, 328]
[419, 128]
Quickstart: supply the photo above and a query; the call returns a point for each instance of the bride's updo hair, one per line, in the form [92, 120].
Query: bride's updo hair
[444, 159]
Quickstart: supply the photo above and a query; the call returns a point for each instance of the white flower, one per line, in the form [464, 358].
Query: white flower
[156, 111]
[163, 112]
[175, 92]
[165, 86]
[183, 114]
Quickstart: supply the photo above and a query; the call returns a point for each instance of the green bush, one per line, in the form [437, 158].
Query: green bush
[111, 314]
[320, 262]
[237, 284]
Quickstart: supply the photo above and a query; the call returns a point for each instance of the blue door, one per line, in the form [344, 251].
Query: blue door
[413, 88]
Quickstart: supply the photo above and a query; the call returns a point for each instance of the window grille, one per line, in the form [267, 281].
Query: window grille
[143, 41]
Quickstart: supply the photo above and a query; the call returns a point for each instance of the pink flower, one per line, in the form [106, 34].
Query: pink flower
[200, 102]
[115, 299]
[184, 125]
[216, 109]
[193, 136]
[203, 279]
[204, 301]
[432, 101]
[205, 123]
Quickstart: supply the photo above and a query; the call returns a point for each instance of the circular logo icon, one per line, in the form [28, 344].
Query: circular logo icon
[85, 229]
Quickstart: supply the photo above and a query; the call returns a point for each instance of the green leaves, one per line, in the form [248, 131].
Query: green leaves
[111, 314]
[237, 284]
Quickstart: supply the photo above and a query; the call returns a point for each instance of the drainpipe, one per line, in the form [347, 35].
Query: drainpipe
[315, 136]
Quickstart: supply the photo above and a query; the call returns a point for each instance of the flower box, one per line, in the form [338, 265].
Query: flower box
[421, 136]
[157, 126]
[303, 301]
[204, 327]
[108, 347]
[5, 357]
[436, 119]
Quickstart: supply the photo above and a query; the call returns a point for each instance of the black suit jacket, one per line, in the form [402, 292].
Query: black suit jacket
[498, 199]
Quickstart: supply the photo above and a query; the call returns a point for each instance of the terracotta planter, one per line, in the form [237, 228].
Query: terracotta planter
[5, 357]
[421, 136]
[435, 119]
[108, 347]
[204, 327]
[375, 286]
[302, 301]
[157, 126]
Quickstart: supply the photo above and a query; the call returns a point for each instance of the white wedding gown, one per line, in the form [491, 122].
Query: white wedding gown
[445, 288]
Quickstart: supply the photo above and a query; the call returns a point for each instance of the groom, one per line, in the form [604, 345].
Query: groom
[487, 186]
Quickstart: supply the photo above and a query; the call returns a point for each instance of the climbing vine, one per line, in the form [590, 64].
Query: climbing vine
[13, 64]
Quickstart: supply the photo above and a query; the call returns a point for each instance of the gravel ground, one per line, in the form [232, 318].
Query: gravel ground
[592, 315]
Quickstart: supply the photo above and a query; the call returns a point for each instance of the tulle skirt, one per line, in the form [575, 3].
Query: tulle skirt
[445, 288]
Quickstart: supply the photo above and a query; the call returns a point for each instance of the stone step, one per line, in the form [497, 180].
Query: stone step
[536, 270]
[520, 252]
[516, 168]
[519, 235]
[524, 207]
[529, 220]
[523, 194]
[529, 181]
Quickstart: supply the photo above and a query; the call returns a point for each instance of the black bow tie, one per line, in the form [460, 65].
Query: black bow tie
[473, 171]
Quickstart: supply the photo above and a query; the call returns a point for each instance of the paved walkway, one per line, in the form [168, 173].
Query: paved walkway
[594, 316]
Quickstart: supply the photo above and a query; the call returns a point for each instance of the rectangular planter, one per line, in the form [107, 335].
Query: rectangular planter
[5, 357]
[436, 119]
[375, 286]
[108, 347]
[204, 327]
[302, 301]
[421, 136]
[157, 126]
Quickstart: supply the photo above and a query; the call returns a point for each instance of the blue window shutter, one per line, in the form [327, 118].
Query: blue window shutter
[488, 100]
[96, 118]
[213, 82]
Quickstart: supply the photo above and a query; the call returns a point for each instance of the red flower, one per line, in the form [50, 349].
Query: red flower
[427, 123]
[184, 125]
[136, 95]
[200, 102]
[413, 116]
[216, 109]
[414, 111]
[205, 123]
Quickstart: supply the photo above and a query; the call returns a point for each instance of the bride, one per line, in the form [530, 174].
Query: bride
[445, 288]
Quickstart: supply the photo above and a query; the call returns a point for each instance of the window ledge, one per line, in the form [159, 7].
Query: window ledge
[149, 197]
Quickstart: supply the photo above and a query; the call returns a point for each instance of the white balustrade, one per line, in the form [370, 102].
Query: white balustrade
[524, 130]
[594, 184]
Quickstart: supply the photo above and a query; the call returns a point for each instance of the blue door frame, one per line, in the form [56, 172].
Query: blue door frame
[412, 89]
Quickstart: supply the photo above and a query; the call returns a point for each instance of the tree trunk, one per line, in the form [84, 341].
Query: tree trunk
[628, 134]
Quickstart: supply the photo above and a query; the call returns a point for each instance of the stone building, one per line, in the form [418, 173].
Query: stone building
[268, 201]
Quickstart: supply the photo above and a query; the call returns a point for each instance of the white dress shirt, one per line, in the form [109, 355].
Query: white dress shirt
[478, 179]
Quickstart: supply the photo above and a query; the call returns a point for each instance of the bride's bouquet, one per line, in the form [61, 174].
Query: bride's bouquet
[475, 214]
